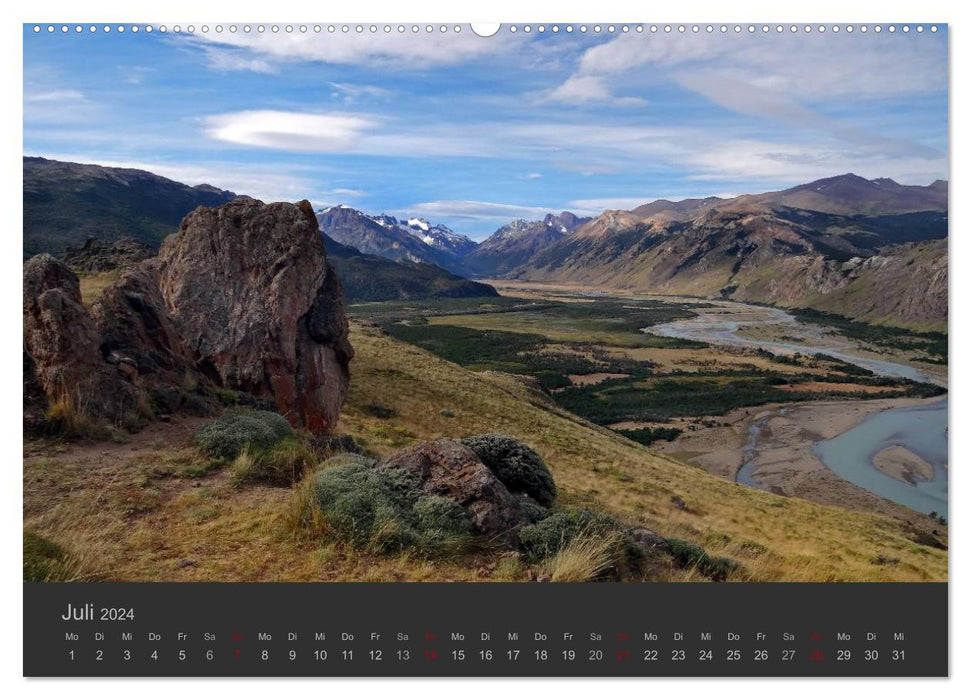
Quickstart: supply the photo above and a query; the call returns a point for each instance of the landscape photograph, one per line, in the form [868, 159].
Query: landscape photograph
[568, 303]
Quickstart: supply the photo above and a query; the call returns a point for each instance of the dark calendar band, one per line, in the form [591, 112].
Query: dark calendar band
[367, 629]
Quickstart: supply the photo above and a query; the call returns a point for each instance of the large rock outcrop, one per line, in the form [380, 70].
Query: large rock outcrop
[62, 343]
[242, 297]
[249, 289]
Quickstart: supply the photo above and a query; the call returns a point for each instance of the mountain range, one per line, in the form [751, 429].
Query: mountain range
[94, 217]
[516, 243]
[886, 263]
[67, 203]
[413, 240]
[873, 250]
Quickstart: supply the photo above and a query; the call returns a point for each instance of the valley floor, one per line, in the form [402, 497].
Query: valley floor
[784, 463]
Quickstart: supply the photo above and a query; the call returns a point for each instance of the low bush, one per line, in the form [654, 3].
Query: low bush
[281, 464]
[555, 532]
[515, 464]
[384, 509]
[688, 554]
[227, 436]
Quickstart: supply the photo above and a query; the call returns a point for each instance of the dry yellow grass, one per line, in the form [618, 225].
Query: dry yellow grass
[93, 285]
[796, 540]
[139, 511]
[586, 558]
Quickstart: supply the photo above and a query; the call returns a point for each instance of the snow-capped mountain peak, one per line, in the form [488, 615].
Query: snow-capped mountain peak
[436, 236]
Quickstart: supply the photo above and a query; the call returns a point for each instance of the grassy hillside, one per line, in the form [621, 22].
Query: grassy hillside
[149, 510]
[775, 538]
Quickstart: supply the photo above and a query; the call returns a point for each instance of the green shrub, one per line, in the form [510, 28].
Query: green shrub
[647, 436]
[688, 554]
[384, 509]
[548, 536]
[440, 517]
[228, 435]
[515, 464]
[281, 464]
[363, 504]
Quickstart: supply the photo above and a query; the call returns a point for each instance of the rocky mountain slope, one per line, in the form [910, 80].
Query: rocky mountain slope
[851, 194]
[374, 278]
[761, 248]
[240, 300]
[515, 243]
[67, 203]
[414, 240]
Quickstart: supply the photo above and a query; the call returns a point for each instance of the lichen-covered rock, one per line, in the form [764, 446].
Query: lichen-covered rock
[648, 540]
[63, 343]
[517, 465]
[240, 299]
[250, 292]
[449, 469]
[135, 329]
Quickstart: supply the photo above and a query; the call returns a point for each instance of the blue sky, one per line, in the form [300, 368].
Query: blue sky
[474, 132]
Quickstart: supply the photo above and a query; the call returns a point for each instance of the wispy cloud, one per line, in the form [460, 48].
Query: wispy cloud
[266, 52]
[580, 89]
[478, 211]
[55, 105]
[714, 153]
[343, 192]
[289, 131]
[60, 96]
[764, 76]
[351, 93]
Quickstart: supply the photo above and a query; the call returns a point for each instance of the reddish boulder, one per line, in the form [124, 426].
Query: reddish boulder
[62, 342]
[249, 291]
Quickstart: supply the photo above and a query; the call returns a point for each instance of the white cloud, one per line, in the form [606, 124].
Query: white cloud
[266, 52]
[795, 163]
[350, 93]
[470, 210]
[532, 176]
[55, 96]
[580, 89]
[709, 153]
[771, 76]
[343, 192]
[292, 131]
[53, 105]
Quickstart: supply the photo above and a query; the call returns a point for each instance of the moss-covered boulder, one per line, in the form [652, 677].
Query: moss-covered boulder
[515, 464]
